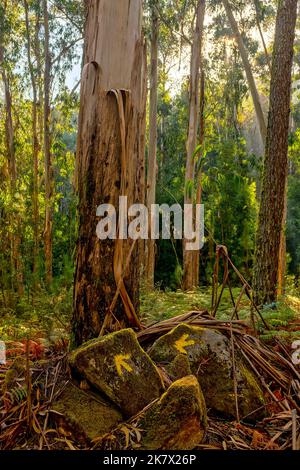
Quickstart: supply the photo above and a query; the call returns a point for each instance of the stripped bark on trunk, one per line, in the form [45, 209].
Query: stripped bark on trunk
[110, 163]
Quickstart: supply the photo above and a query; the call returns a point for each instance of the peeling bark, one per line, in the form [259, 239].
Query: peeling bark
[99, 168]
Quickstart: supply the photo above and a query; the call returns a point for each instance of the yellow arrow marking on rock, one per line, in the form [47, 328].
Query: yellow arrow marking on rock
[120, 361]
[182, 343]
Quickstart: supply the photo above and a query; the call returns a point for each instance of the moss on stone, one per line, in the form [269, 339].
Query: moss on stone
[85, 415]
[178, 420]
[210, 357]
[179, 367]
[117, 366]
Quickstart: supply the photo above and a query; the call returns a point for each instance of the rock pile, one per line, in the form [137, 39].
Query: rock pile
[208, 355]
[127, 381]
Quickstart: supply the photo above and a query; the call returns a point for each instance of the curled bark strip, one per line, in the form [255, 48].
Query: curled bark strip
[122, 97]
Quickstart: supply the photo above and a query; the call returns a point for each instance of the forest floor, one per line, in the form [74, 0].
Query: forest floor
[45, 320]
[46, 316]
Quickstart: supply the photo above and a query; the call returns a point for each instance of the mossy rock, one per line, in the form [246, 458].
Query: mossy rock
[179, 367]
[117, 366]
[85, 415]
[177, 421]
[210, 357]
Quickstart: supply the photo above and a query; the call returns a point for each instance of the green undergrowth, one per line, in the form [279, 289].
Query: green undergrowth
[44, 315]
[281, 317]
[48, 315]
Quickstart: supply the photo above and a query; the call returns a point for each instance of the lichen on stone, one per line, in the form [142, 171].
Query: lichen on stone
[86, 415]
[210, 358]
[118, 367]
[177, 420]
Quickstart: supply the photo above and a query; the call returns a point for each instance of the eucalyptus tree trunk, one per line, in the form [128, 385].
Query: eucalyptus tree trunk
[257, 11]
[250, 78]
[35, 145]
[110, 163]
[16, 259]
[15, 222]
[152, 148]
[47, 152]
[272, 205]
[196, 267]
[188, 256]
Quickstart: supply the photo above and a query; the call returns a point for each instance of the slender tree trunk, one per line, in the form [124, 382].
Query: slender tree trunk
[15, 222]
[35, 148]
[271, 212]
[196, 267]
[39, 78]
[250, 78]
[188, 256]
[110, 163]
[257, 10]
[152, 161]
[282, 256]
[282, 249]
[47, 153]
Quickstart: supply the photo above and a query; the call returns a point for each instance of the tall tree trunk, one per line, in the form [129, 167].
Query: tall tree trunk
[271, 212]
[47, 153]
[196, 267]
[188, 256]
[257, 11]
[110, 163]
[39, 77]
[152, 161]
[35, 147]
[282, 249]
[15, 223]
[250, 78]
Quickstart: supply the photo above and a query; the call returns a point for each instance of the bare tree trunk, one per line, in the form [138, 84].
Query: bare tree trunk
[39, 78]
[257, 9]
[271, 212]
[47, 153]
[152, 162]
[196, 267]
[188, 256]
[35, 147]
[250, 78]
[15, 222]
[110, 163]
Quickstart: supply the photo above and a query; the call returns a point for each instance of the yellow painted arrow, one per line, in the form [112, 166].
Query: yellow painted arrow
[120, 361]
[182, 343]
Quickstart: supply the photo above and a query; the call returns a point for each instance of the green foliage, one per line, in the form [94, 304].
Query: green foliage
[229, 161]
[42, 315]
